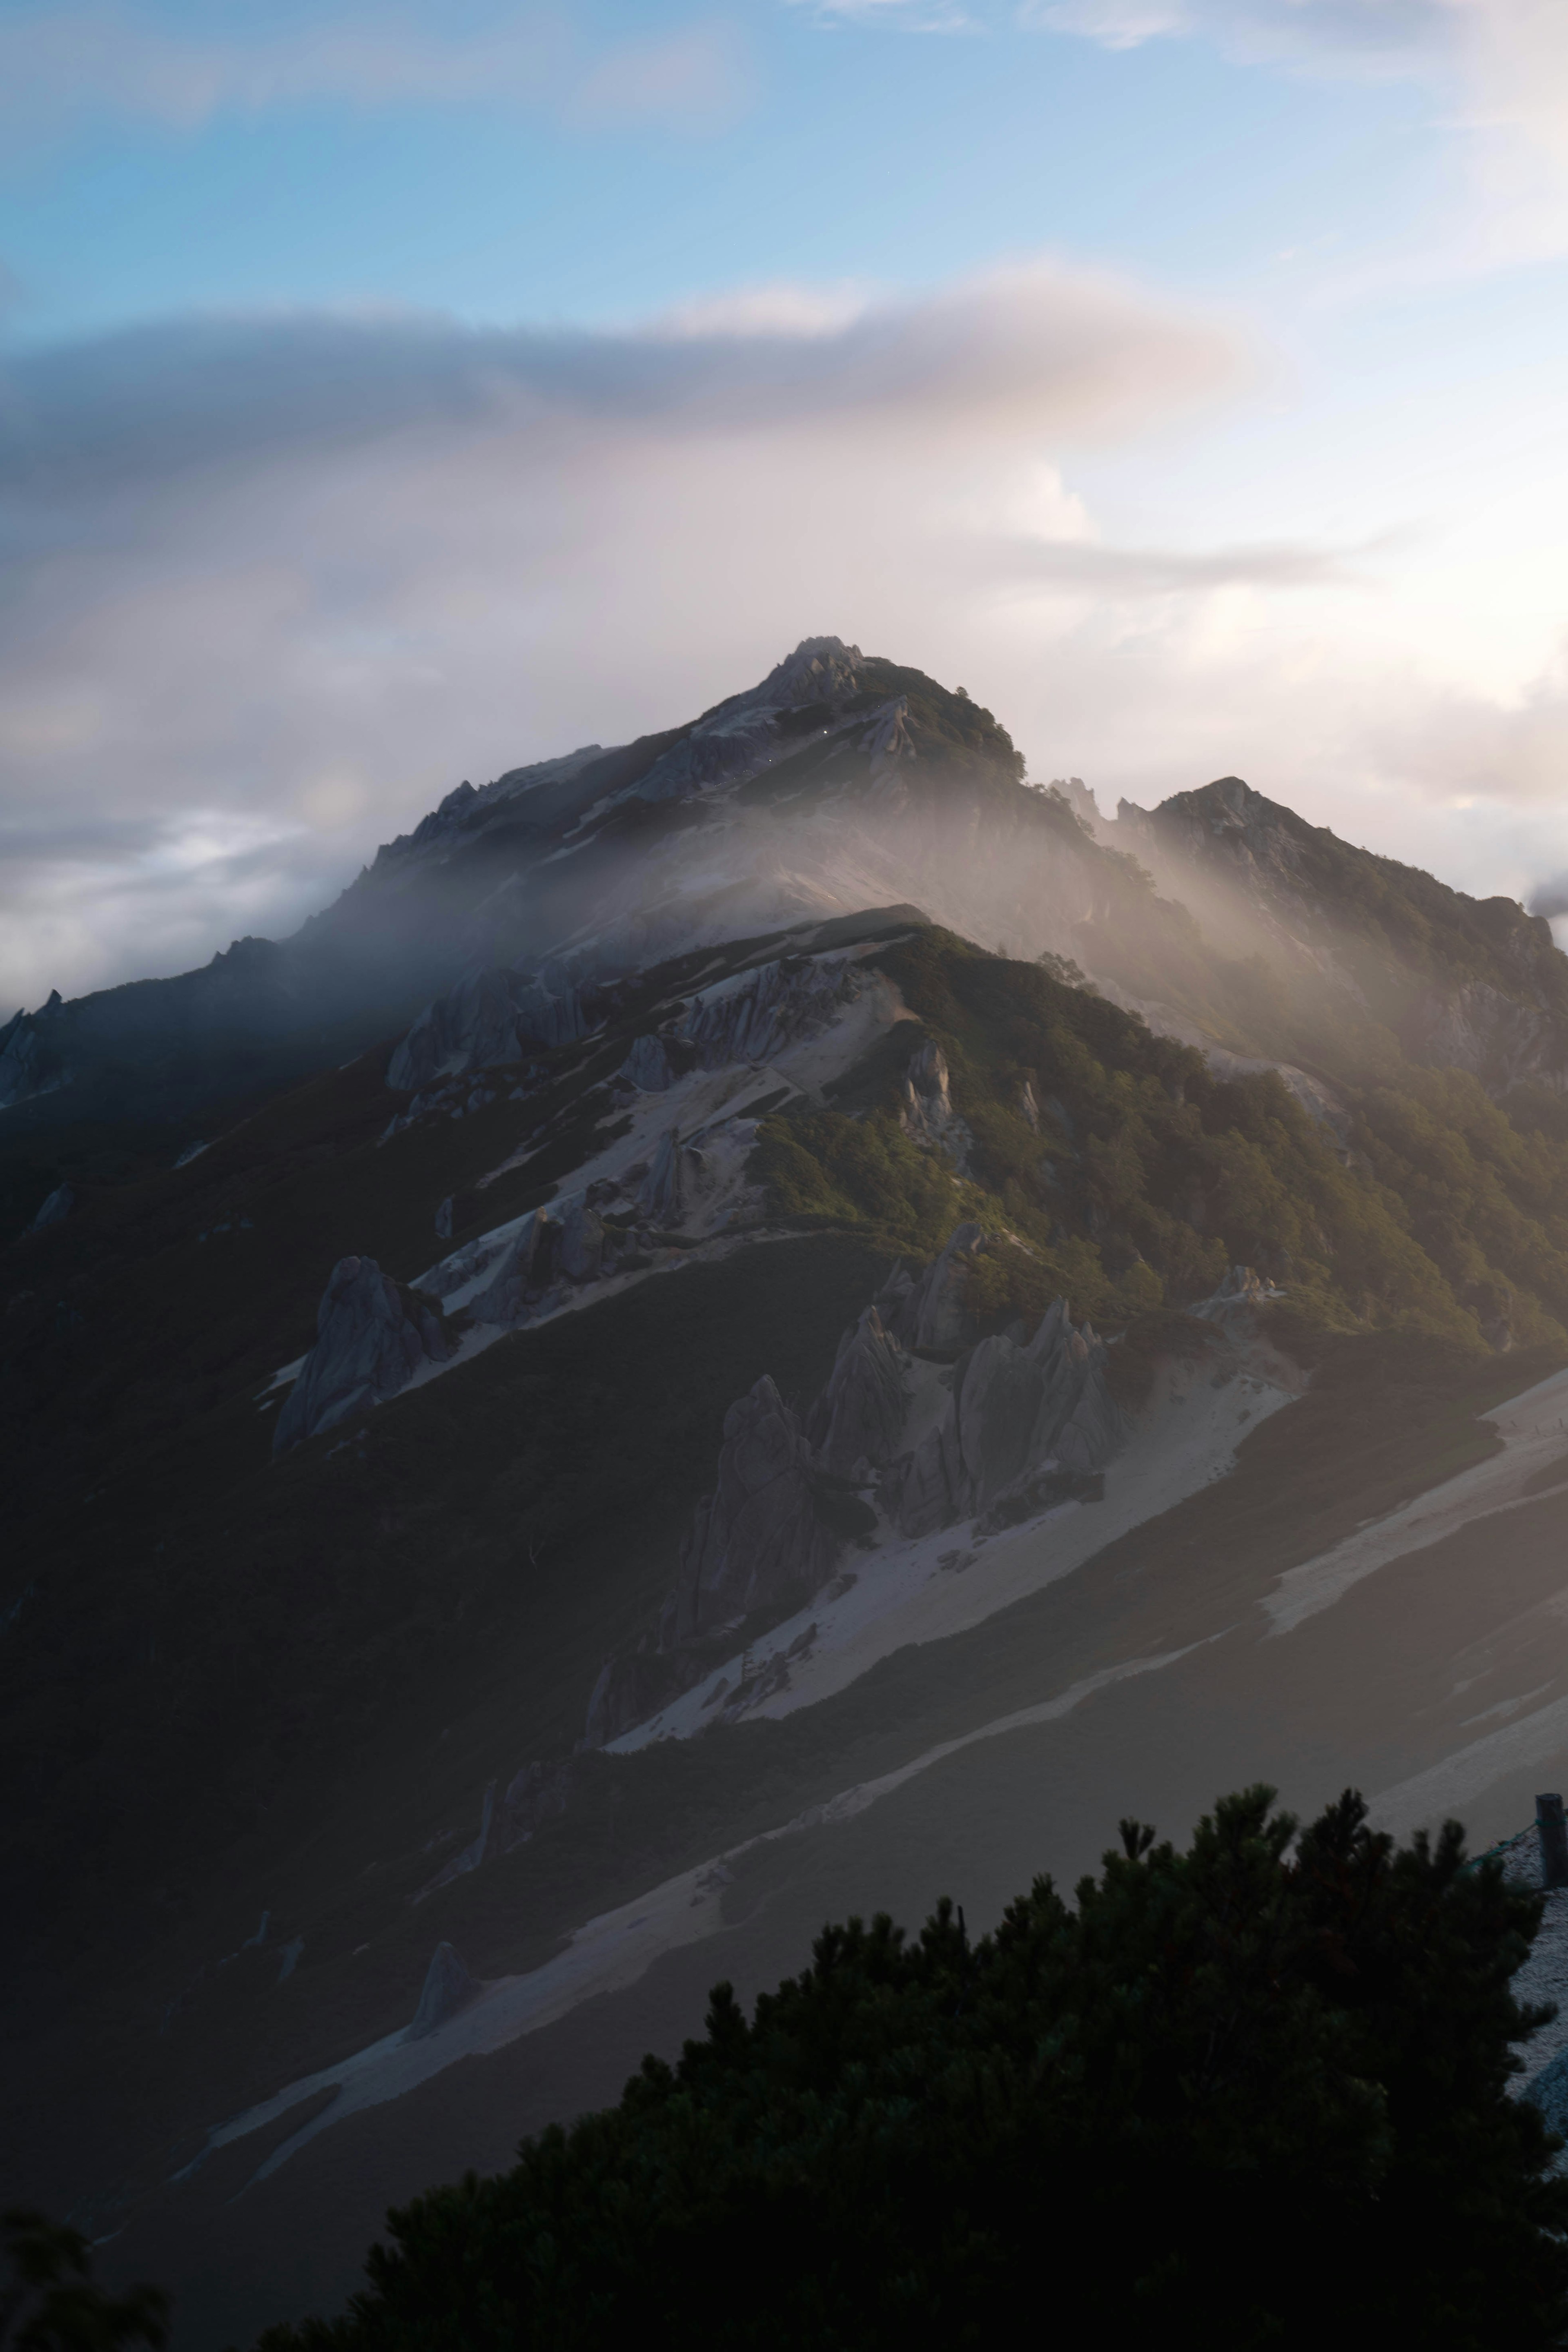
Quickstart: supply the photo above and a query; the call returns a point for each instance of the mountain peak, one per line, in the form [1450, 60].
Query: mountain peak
[817, 665]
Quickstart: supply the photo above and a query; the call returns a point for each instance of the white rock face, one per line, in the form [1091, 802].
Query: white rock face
[367, 1347]
[1023, 1423]
[858, 1418]
[926, 1113]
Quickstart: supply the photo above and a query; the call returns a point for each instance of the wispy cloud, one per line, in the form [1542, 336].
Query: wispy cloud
[697, 77]
[61, 65]
[1358, 35]
[1497, 71]
[1077, 566]
[898, 16]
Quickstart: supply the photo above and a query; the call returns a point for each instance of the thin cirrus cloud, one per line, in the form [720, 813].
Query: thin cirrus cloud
[1497, 69]
[1494, 74]
[1164, 572]
[59, 66]
[1362, 36]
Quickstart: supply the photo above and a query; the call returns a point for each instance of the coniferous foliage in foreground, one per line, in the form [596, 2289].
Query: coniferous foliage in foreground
[1252, 2094]
[50, 2303]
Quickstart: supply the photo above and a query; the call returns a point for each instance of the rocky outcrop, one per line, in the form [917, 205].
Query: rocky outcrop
[580, 1255]
[478, 1851]
[1023, 1426]
[536, 1794]
[55, 1209]
[740, 735]
[523, 1275]
[1496, 1039]
[776, 1005]
[635, 1683]
[858, 1420]
[554, 1249]
[887, 738]
[448, 1990]
[925, 1107]
[1016, 1413]
[759, 1540]
[647, 1067]
[492, 1018]
[441, 1042]
[30, 1063]
[749, 1019]
[369, 1344]
[1243, 1288]
[673, 1174]
[932, 1312]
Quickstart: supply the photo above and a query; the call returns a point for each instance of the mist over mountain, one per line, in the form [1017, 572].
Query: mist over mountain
[839, 782]
[768, 1321]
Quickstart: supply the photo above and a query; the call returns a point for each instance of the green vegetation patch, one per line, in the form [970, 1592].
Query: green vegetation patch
[1144, 1177]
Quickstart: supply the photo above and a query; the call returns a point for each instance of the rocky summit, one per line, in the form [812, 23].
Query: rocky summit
[775, 1320]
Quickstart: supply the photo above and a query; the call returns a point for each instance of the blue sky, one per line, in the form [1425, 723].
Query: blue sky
[389, 394]
[800, 146]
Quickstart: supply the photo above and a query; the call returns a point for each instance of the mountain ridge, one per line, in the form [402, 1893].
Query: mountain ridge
[816, 786]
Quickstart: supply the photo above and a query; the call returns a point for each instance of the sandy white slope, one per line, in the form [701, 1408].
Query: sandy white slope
[1533, 1427]
[1169, 1458]
[1186, 1437]
[941, 1584]
[604, 1956]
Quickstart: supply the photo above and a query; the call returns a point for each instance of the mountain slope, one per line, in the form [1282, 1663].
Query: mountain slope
[1327, 955]
[697, 1388]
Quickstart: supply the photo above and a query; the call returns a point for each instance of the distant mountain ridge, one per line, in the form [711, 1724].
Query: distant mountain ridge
[1360, 940]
